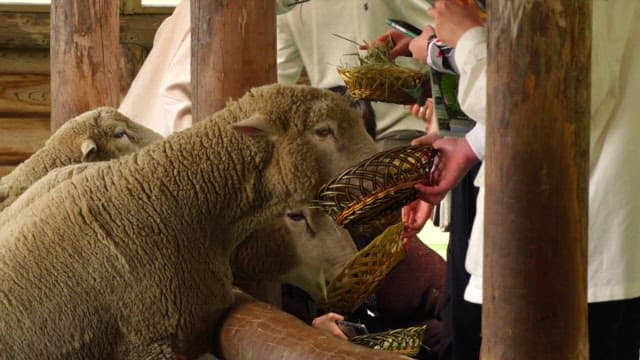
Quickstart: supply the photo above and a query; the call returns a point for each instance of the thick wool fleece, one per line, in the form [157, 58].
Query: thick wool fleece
[131, 257]
[40, 188]
[96, 135]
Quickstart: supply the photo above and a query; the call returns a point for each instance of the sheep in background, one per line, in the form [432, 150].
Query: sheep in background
[303, 248]
[96, 135]
[131, 257]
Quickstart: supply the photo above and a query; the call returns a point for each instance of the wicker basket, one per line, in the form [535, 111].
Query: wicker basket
[376, 187]
[405, 341]
[386, 82]
[378, 78]
[361, 275]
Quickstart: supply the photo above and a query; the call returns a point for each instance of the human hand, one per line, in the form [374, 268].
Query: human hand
[327, 322]
[455, 158]
[414, 216]
[400, 43]
[424, 113]
[453, 18]
[419, 46]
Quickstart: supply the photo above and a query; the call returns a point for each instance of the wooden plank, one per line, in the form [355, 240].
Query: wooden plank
[233, 47]
[33, 30]
[24, 94]
[24, 61]
[18, 94]
[19, 138]
[538, 77]
[84, 57]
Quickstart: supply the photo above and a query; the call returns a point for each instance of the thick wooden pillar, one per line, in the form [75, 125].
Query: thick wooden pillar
[84, 57]
[233, 47]
[535, 304]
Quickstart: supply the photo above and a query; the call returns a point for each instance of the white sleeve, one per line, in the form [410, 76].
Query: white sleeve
[471, 58]
[475, 138]
[290, 63]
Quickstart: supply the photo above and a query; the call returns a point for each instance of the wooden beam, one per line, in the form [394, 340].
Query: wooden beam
[84, 57]
[535, 304]
[33, 30]
[26, 94]
[25, 80]
[233, 47]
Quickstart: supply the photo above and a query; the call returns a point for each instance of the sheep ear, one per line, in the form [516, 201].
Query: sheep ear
[256, 125]
[88, 148]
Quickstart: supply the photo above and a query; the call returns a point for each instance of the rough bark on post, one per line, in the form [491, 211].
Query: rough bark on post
[255, 330]
[84, 57]
[535, 304]
[233, 48]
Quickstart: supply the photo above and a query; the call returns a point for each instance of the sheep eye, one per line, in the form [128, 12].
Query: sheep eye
[296, 216]
[324, 132]
[120, 134]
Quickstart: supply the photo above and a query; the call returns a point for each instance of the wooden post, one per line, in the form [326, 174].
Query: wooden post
[84, 57]
[535, 304]
[233, 48]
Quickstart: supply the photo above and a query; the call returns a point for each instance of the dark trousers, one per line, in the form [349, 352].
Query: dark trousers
[461, 326]
[614, 330]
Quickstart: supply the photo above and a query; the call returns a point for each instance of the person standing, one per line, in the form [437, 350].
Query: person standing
[613, 285]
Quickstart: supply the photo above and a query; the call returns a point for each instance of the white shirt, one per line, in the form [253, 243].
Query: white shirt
[614, 205]
[306, 40]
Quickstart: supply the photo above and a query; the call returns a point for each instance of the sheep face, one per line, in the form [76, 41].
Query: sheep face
[304, 248]
[322, 249]
[102, 134]
[314, 134]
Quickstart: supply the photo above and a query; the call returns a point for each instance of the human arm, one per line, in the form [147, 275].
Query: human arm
[424, 113]
[419, 45]
[327, 322]
[414, 216]
[458, 25]
[455, 158]
[453, 18]
[400, 43]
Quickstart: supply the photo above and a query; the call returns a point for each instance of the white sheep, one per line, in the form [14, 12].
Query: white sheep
[304, 248]
[131, 257]
[96, 135]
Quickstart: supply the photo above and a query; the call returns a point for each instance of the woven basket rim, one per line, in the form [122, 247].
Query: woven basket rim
[343, 200]
[391, 241]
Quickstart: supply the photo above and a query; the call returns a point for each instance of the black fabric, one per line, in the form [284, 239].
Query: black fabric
[614, 330]
[461, 326]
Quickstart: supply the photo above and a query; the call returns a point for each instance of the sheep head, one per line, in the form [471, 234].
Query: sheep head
[101, 134]
[314, 135]
[304, 248]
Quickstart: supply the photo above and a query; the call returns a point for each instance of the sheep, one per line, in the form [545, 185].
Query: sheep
[96, 135]
[304, 248]
[41, 187]
[131, 257]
